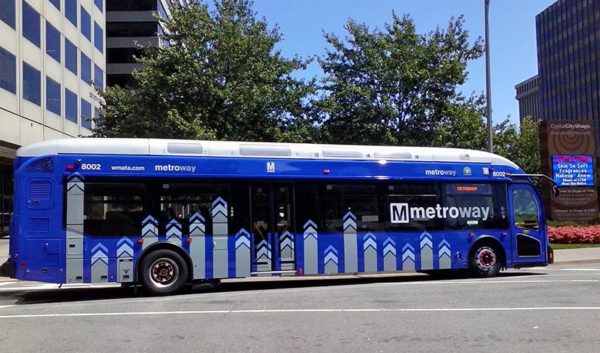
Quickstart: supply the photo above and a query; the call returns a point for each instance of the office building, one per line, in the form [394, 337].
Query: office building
[52, 53]
[568, 46]
[129, 25]
[528, 97]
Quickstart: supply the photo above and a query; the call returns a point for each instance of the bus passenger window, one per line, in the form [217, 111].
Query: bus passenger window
[474, 206]
[360, 199]
[114, 208]
[525, 209]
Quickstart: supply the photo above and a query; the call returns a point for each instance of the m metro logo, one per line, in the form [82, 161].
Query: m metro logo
[399, 213]
[403, 213]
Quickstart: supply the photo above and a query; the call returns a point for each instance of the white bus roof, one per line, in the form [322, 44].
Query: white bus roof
[166, 147]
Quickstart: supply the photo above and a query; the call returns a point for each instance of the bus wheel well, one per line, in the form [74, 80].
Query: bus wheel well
[492, 242]
[166, 246]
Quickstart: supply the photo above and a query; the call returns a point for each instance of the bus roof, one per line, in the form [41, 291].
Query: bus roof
[166, 147]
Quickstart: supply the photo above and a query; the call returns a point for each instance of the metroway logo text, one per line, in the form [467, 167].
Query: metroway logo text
[174, 168]
[403, 213]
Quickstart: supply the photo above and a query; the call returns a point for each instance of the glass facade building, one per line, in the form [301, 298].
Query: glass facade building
[49, 53]
[568, 45]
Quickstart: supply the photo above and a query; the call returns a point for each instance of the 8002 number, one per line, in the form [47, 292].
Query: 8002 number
[91, 166]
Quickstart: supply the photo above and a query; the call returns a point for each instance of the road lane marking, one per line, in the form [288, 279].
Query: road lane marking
[291, 311]
[580, 269]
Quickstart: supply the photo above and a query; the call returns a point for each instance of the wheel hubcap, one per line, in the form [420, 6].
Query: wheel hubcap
[163, 272]
[485, 258]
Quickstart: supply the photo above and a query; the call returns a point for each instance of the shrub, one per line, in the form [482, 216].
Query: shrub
[574, 235]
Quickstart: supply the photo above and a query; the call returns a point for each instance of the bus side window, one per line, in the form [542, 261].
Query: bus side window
[525, 209]
[417, 197]
[112, 208]
[360, 199]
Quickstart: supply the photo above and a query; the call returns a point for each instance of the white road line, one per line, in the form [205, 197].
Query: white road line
[292, 311]
[580, 269]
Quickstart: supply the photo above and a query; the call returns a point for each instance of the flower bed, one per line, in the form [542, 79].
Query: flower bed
[574, 235]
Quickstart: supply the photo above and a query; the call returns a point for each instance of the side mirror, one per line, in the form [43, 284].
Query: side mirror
[555, 191]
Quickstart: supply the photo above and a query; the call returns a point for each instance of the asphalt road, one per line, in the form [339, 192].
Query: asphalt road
[555, 309]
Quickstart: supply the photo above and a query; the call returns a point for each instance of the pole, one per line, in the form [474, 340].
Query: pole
[488, 79]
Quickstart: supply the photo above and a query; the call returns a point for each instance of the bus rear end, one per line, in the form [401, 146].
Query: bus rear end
[36, 234]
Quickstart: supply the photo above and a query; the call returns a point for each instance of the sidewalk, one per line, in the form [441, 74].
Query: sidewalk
[584, 255]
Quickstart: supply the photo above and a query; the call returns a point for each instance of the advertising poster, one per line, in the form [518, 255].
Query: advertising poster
[568, 152]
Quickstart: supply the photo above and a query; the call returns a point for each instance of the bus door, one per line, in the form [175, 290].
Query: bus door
[528, 243]
[272, 227]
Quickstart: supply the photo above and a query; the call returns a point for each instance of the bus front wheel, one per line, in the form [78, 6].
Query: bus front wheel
[163, 272]
[485, 261]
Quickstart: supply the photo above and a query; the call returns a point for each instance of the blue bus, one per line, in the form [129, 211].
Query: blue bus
[167, 213]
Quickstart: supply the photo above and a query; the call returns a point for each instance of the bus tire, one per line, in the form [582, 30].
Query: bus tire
[164, 272]
[485, 261]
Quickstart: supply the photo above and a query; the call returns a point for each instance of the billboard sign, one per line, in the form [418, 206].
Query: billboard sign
[569, 170]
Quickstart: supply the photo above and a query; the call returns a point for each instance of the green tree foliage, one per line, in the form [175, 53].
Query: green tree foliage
[221, 78]
[520, 145]
[395, 86]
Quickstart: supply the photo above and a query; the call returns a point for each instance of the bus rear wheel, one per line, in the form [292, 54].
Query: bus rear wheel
[485, 261]
[163, 272]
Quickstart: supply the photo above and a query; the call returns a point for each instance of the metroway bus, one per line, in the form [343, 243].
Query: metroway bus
[166, 213]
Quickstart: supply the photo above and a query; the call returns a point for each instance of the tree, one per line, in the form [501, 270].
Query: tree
[221, 77]
[520, 145]
[398, 87]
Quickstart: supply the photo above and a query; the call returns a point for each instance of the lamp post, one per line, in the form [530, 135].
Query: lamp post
[488, 80]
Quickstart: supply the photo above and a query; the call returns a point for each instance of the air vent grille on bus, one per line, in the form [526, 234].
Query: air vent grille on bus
[40, 190]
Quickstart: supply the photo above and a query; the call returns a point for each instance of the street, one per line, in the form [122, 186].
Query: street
[554, 309]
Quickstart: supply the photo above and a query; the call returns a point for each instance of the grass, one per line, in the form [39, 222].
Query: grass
[573, 246]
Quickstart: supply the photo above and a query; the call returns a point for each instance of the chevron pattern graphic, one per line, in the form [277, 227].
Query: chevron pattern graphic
[444, 255]
[311, 248]
[173, 231]
[426, 245]
[389, 255]
[198, 245]
[99, 263]
[370, 252]
[331, 260]
[408, 258]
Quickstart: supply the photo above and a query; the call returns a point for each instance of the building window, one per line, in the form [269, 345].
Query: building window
[161, 10]
[71, 11]
[98, 37]
[98, 4]
[125, 29]
[56, 3]
[7, 12]
[8, 71]
[86, 24]
[138, 5]
[98, 77]
[86, 114]
[31, 24]
[70, 56]
[52, 96]
[122, 55]
[31, 84]
[52, 42]
[70, 106]
[86, 69]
